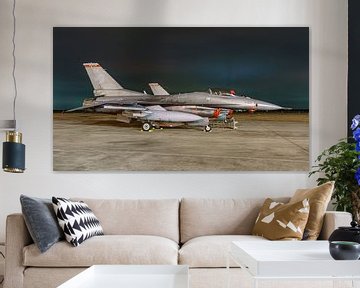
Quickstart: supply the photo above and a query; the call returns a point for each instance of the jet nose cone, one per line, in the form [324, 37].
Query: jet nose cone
[265, 106]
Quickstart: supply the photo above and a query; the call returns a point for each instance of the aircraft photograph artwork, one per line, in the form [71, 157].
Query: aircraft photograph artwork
[181, 99]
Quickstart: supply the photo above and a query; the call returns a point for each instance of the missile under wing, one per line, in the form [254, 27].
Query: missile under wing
[154, 116]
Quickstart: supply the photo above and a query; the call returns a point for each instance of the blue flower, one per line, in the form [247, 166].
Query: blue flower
[355, 122]
[357, 176]
[356, 134]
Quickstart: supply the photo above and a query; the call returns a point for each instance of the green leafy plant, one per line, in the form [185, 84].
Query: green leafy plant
[341, 163]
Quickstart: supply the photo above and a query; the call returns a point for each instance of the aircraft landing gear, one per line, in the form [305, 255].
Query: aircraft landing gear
[207, 128]
[146, 127]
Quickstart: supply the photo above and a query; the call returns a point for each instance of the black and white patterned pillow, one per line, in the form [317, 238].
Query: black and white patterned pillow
[77, 220]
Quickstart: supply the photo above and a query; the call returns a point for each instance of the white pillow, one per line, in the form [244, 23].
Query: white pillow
[76, 220]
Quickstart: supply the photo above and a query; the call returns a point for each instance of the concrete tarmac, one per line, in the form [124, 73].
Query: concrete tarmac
[263, 142]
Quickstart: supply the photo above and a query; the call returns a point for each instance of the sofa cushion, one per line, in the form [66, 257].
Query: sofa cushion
[35, 277]
[211, 251]
[158, 217]
[77, 220]
[279, 221]
[41, 221]
[200, 217]
[107, 249]
[319, 198]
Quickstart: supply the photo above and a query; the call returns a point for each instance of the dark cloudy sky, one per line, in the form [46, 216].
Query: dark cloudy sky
[270, 64]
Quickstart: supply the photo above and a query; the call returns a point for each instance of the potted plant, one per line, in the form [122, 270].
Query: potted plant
[341, 163]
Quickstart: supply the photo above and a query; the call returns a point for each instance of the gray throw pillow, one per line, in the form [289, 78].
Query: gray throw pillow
[41, 221]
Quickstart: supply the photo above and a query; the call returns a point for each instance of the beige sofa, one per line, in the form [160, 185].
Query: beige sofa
[194, 232]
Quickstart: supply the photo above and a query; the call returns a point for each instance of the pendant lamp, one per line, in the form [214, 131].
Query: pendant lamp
[13, 149]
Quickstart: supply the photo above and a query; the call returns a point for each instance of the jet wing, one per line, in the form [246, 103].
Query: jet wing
[84, 107]
[129, 108]
[137, 108]
[108, 105]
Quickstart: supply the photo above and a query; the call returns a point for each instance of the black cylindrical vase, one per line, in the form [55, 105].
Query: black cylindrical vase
[13, 153]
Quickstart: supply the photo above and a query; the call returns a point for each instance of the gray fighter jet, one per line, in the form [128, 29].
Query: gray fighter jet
[109, 93]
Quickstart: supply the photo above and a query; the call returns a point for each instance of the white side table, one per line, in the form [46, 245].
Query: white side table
[294, 260]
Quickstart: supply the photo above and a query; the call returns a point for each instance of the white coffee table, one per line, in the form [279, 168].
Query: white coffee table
[285, 260]
[131, 276]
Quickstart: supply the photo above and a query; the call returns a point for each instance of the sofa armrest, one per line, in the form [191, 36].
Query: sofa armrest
[333, 220]
[17, 237]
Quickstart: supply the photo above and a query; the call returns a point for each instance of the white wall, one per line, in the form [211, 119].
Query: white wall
[327, 20]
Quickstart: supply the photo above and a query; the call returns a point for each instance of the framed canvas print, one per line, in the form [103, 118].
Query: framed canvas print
[181, 99]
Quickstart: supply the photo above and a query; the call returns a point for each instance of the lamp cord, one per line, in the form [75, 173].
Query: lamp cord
[14, 61]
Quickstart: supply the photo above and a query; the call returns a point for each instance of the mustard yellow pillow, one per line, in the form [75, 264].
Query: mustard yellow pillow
[319, 198]
[279, 221]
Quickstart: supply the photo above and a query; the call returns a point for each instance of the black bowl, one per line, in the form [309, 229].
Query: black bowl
[344, 250]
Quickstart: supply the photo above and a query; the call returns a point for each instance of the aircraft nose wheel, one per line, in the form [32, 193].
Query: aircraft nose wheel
[207, 128]
[146, 127]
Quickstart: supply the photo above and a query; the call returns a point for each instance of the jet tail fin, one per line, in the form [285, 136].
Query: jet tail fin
[157, 89]
[100, 79]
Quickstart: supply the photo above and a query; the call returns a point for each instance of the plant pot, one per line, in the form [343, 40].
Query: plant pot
[343, 250]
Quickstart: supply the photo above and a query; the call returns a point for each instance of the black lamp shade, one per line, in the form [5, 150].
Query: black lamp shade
[13, 157]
